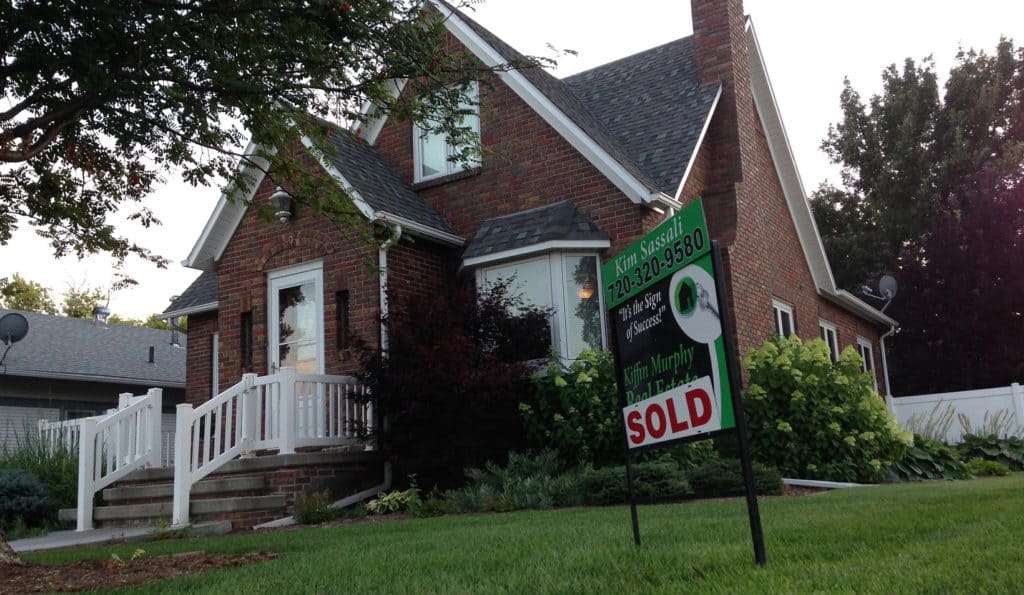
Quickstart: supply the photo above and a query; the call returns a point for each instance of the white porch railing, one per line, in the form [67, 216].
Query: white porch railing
[60, 434]
[112, 446]
[282, 412]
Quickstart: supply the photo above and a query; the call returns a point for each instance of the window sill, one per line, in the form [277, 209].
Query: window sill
[459, 175]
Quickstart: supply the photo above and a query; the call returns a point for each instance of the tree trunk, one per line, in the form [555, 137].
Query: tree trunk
[7, 555]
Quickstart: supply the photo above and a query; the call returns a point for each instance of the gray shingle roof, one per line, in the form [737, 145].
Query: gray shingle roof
[653, 104]
[76, 348]
[559, 221]
[646, 110]
[378, 184]
[202, 292]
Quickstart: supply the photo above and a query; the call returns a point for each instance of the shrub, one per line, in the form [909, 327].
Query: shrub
[929, 459]
[525, 482]
[575, 410]
[23, 496]
[813, 418]
[394, 501]
[653, 481]
[450, 388]
[314, 508]
[979, 467]
[55, 465]
[1009, 451]
[724, 477]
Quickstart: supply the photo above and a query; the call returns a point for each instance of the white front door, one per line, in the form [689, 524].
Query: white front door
[296, 319]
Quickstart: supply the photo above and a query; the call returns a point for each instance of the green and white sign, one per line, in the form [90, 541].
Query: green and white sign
[670, 349]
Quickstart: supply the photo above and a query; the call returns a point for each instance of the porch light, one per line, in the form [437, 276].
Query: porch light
[281, 202]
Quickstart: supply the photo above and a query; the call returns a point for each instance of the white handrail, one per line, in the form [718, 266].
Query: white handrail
[113, 445]
[282, 412]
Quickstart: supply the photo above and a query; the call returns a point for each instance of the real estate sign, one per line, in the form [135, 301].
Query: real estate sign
[670, 349]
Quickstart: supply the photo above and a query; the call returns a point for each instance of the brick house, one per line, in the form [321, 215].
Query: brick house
[572, 171]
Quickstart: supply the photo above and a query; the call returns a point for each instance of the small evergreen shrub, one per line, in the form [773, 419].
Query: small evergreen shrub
[525, 482]
[1009, 450]
[812, 418]
[56, 465]
[314, 508]
[929, 459]
[434, 504]
[979, 467]
[659, 480]
[23, 496]
[724, 477]
[574, 410]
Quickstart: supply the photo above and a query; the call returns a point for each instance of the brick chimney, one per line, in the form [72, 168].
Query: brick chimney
[720, 41]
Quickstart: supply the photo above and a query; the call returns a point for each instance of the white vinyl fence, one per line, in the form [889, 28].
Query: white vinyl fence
[948, 416]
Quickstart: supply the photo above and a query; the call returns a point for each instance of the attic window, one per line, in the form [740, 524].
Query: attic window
[434, 155]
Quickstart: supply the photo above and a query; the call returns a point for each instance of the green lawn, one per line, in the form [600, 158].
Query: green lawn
[965, 536]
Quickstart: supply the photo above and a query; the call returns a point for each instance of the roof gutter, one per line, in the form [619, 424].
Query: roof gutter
[207, 307]
[418, 228]
[94, 378]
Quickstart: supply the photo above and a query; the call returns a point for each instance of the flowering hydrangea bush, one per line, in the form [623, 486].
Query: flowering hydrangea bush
[815, 419]
[574, 410]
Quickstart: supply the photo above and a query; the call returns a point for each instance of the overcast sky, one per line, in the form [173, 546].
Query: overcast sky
[808, 46]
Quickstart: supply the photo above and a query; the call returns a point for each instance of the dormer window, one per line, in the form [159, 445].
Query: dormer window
[434, 154]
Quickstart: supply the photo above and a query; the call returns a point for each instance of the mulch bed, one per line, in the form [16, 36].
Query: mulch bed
[111, 573]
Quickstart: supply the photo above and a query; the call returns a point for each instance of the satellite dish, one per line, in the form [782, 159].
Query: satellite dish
[13, 328]
[887, 286]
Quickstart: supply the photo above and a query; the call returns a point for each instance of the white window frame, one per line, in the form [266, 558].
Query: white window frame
[556, 268]
[291, 277]
[827, 328]
[778, 309]
[867, 356]
[451, 166]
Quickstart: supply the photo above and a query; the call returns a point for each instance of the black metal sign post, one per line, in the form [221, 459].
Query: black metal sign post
[753, 513]
[675, 353]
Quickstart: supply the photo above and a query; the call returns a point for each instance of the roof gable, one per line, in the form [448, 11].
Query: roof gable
[654, 105]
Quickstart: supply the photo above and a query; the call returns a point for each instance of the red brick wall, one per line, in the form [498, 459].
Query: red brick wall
[258, 247]
[199, 357]
[747, 210]
[526, 164]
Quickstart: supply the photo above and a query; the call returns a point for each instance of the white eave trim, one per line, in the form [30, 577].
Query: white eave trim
[792, 187]
[369, 131]
[700, 141]
[549, 246]
[207, 307]
[419, 229]
[605, 163]
[95, 378]
[222, 222]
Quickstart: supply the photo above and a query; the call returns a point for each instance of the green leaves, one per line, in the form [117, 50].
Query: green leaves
[814, 419]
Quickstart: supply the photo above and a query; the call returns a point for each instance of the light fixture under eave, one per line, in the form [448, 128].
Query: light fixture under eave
[281, 202]
[586, 291]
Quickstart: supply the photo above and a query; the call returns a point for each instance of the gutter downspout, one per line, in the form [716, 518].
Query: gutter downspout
[382, 256]
[885, 370]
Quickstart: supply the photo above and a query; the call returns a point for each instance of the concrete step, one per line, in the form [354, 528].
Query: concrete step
[205, 487]
[158, 510]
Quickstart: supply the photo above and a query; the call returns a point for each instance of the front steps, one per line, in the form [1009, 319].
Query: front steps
[247, 492]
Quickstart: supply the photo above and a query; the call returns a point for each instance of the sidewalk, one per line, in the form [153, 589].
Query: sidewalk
[66, 539]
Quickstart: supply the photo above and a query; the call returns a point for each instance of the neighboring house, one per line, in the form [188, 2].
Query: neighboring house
[68, 368]
[573, 171]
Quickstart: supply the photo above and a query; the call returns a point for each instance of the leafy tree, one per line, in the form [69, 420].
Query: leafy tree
[151, 322]
[101, 99]
[80, 301]
[19, 293]
[960, 302]
[906, 154]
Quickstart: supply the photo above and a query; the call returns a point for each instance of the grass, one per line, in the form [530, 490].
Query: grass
[965, 536]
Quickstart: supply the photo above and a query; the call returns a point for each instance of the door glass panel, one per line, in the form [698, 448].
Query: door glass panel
[583, 304]
[297, 316]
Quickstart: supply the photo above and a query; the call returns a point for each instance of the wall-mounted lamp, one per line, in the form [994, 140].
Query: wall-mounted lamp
[586, 290]
[281, 202]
